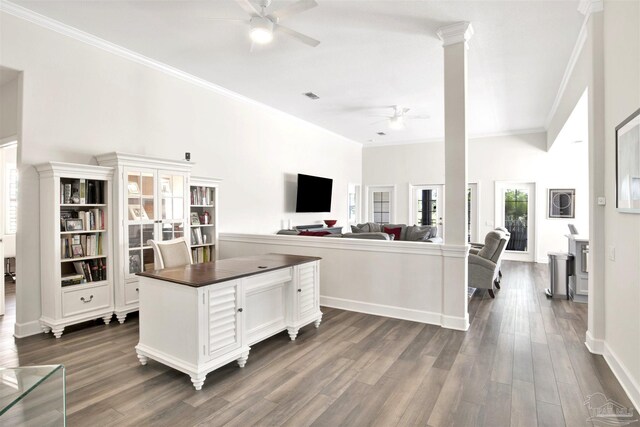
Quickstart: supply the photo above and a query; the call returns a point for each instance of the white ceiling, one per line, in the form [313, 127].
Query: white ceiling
[373, 54]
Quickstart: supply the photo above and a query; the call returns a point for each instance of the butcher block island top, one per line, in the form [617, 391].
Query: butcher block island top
[209, 273]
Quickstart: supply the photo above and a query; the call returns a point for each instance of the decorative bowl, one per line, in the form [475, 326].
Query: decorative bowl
[330, 222]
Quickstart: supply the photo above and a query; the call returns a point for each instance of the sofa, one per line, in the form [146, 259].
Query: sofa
[375, 231]
[484, 262]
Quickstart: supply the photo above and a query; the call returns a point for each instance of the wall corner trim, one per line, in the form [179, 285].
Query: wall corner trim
[595, 346]
[23, 330]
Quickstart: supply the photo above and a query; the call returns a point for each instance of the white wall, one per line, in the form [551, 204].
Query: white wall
[622, 231]
[509, 158]
[79, 101]
[8, 108]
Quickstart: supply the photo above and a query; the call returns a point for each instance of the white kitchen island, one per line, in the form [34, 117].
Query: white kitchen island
[200, 317]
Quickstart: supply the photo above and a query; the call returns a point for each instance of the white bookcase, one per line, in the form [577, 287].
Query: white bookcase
[203, 220]
[151, 202]
[75, 244]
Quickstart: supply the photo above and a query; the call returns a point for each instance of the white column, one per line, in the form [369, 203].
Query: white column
[594, 46]
[454, 296]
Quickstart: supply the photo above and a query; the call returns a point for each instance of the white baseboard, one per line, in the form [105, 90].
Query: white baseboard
[23, 330]
[454, 322]
[595, 346]
[382, 310]
[626, 380]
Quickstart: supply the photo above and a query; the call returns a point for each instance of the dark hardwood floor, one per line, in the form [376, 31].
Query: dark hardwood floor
[522, 363]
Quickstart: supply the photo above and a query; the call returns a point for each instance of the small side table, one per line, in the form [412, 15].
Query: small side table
[33, 395]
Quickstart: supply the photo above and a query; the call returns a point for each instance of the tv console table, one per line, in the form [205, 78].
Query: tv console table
[200, 317]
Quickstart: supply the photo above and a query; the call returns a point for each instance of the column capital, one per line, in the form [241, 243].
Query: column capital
[460, 32]
[587, 7]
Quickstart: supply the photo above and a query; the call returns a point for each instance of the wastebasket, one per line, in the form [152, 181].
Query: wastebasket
[559, 270]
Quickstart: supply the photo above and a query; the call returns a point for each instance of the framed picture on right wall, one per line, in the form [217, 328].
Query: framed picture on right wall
[562, 203]
[628, 164]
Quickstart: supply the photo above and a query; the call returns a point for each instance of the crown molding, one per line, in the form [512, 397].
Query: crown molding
[472, 137]
[573, 59]
[84, 37]
[460, 32]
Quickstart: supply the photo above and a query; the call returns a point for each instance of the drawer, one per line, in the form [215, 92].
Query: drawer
[84, 300]
[266, 279]
[131, 294]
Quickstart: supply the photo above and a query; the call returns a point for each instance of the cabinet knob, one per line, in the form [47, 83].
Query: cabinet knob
[299, 290]
[240, 310]
[86, 300]
[137, 290]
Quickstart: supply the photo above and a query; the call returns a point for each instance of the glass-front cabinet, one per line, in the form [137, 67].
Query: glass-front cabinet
[153, 205]
[156, 210]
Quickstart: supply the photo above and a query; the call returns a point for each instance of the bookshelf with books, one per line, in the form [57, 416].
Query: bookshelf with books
[204, 219]
[75, 244]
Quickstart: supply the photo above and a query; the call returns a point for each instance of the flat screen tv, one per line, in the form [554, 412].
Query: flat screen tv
[314, 194]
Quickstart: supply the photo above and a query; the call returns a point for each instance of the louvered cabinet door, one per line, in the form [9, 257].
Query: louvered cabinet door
[224, 318]
[306, 292]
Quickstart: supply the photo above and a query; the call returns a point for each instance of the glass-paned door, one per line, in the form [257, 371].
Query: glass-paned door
[172, 199]
[515, 210]
[516, 217]
[381, 204]
[141, 215]
[427, 205]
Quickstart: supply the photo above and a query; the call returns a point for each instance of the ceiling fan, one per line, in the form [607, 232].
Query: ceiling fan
[397, 119]
[264, 24]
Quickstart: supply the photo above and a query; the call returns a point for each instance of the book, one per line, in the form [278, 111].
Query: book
[83, 191]
[94, 270]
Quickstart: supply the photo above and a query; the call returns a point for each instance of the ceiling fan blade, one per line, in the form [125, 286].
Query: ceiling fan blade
[292, 9]
[379, 121]
[405, 110]
[225, 19]
[299, 36]
[248, 7]
[412, 116]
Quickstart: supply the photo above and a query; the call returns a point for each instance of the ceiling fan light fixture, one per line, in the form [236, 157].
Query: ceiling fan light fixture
[396, 122]
[261, 30]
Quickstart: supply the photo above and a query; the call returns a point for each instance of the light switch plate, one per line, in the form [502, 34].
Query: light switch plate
[602, 201]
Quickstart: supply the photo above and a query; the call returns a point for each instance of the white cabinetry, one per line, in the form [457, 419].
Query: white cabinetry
[151, 202]
[75, 244]
[206, 327]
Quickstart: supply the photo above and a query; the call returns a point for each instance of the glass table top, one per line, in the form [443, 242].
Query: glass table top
[17, 383]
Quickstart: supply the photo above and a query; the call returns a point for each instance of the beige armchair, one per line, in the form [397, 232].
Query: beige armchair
[171, 253]
[484, 263]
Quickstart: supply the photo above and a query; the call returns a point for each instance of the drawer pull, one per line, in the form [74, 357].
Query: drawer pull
[86, 300]
[240, 310]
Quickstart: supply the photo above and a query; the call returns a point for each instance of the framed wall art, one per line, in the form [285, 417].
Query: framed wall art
[562, 203]
[628, 164]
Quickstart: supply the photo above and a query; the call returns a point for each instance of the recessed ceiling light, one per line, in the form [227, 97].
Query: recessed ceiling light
[311, 95]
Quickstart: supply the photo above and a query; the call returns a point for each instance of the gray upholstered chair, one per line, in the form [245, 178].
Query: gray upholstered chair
[484, 265]
[475, 248]
[171, 253]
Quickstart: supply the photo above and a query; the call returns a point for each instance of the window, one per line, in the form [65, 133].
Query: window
[11, 214]
[381, 204]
